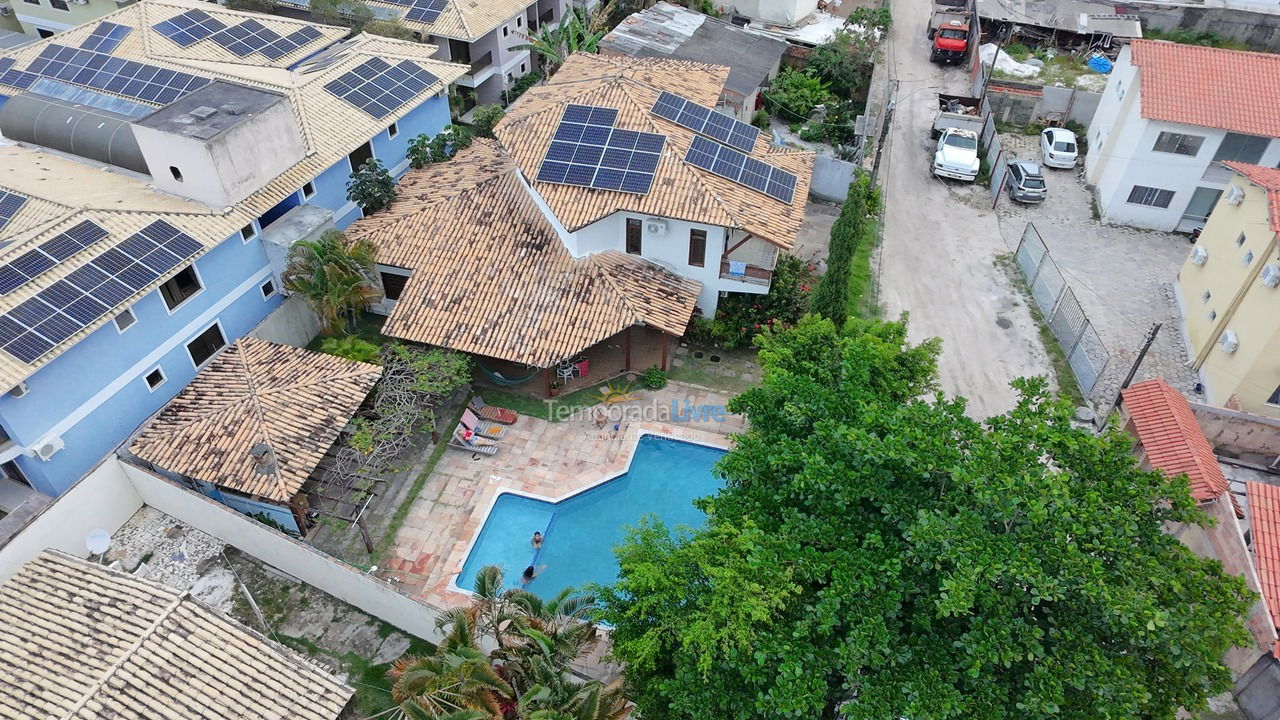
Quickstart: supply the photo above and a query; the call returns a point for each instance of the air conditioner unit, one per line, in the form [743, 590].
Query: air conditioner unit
[1229, 342]
[18, 390]
[5, 11]
[655, 226]
[45, 450]
[1235, 195]
[1271, 275]
[1199, 256]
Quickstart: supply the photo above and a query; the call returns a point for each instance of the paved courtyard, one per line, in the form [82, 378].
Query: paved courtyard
[550, 459]
[1123, 277]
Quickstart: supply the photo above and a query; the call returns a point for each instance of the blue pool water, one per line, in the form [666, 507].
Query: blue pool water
[579, 532]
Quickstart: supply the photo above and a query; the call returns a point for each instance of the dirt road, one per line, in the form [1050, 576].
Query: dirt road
[941, 241]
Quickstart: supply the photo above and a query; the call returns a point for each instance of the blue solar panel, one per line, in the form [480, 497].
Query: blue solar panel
[426, 11]
[10, 204]
[106, 37]
[18, 78]
[379, 88]
[32, 263]
[742, 169]
[290, 42]
[189, 28]
[9, 329]
[114, 75]
[586, 150]
[705, 121]
[28, 347]
[10, 279]
[246, 37]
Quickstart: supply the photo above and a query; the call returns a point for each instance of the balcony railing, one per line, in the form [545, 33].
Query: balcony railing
[483, 62]
[754, 274]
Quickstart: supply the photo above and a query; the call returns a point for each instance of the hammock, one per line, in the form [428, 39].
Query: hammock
[499, 379]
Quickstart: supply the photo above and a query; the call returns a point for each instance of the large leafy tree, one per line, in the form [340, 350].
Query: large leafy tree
[579, 30]
[876, 555]
[334, 274]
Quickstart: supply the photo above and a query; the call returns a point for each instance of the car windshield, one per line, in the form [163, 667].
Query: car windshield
[953, 34]
[1033, 182]
[962, 141]
[1063, 146]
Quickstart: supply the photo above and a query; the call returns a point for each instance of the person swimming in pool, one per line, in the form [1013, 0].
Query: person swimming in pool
[536, 542]
[530, 573]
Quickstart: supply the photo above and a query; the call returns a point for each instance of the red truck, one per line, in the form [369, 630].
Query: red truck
[949, 30]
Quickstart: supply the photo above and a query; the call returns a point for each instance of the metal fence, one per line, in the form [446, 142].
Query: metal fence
[1085, 352]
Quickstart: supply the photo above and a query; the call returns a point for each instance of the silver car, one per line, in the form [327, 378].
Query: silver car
[1025, 181]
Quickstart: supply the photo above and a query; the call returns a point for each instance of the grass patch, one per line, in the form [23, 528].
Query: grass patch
[553, 409]
[402, 512]
[862, 295]
[696, 371]
[1065, 379]
[373, 689]
[1207, 38]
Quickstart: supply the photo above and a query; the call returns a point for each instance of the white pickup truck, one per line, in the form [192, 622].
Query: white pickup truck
[956, 128]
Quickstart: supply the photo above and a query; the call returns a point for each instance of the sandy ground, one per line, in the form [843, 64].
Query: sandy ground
[941, 241]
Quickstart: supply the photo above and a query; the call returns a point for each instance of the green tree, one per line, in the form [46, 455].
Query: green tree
[844, 61]
[371, 186]
[348, 13]
[267, 7]
[388, 28]
[425, 149]
[484, 118]
[351, 347]
[831, 299]
[579, 30]
[794, 94]
[879, 555]
[335, 276]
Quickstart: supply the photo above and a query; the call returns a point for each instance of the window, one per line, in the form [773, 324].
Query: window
[205, 345]
[44, 33]
[308, 190]
[522, 68]
[519, 22]
[1178, 143]
[31, 2]
[393, 285]
[393, 130]
[181, 288]
[1155, 197]
[1205, 297]
[175, 172]
[1248, 258]
[360, 156]
[1241, 148]
[60, 5]
[634, 233]
[697, 248]
[504, 29]
[1275, 397]
[1240, 240]
[268, 288]
[509, 78]
[125, 320]
[248, 232]
[1213, 315]
[154, 379]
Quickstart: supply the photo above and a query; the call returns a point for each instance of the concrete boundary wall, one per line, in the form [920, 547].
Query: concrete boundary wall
[293, 323]
[831, 178]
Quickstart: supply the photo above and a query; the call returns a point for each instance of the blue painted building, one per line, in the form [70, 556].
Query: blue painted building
[136, 192]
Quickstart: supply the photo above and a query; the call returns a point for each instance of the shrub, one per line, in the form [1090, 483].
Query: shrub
[1017, 51]
[761, 120]
[484, 118]
[844, 61]
[425, 150]
[700, 330]
[388, 28]
[795, 93]
[655, 378]
[351, 348]
[267, 7]
[742, 316]
[371, 187]
[851, 236]
[522, 84]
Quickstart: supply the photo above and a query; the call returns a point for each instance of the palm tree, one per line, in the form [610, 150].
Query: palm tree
[335, 275]
[578, 31]
[458, 682]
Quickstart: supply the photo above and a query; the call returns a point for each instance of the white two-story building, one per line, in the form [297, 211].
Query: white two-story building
[614, 197]
[1170, 117]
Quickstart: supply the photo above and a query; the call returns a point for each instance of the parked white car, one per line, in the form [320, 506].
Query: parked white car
[956, 155]
[1058, 148]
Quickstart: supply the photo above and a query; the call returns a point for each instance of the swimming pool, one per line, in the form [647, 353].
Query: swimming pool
[579, 532]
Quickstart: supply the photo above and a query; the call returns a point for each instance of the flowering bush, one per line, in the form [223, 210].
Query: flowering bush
[741, 316]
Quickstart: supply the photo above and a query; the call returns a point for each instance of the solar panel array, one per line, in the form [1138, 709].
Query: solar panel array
[588, 151]
[103, 72]
[426, 11]
[35, 326]
[16, 78]
[106, 37]
[705, 121]
[34, 262]
[378, 88]
[742, 169]
[10, 204]
[190, 27]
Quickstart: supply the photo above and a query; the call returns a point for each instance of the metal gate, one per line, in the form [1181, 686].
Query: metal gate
[1085, 352]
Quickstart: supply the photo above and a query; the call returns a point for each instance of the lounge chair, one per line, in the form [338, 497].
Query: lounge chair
[486, 429]
[492, 412]
[457, 441]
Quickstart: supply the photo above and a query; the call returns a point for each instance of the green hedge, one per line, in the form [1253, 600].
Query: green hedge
[841, 290]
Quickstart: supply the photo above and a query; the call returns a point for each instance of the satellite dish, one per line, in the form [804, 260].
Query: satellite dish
[98, 541]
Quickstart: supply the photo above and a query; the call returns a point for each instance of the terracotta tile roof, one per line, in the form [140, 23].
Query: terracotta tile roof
[294, 401]
[123, 203]
[1269, 180]
[491, 276]
[1228, 89]
[1172, 439]
[1264, 530]
[680, 191]
[79, 641]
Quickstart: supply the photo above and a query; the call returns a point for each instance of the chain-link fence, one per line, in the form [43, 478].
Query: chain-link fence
[1085, 352]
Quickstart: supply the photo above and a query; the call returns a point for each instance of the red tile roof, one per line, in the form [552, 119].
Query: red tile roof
[1172, 438]
[1227, 89]
[1264, 526]
[1266, 178]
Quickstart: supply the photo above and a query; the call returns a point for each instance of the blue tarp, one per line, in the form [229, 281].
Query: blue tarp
[1100, 64]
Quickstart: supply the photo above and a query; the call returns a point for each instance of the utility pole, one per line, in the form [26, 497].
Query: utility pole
[1146, 345]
